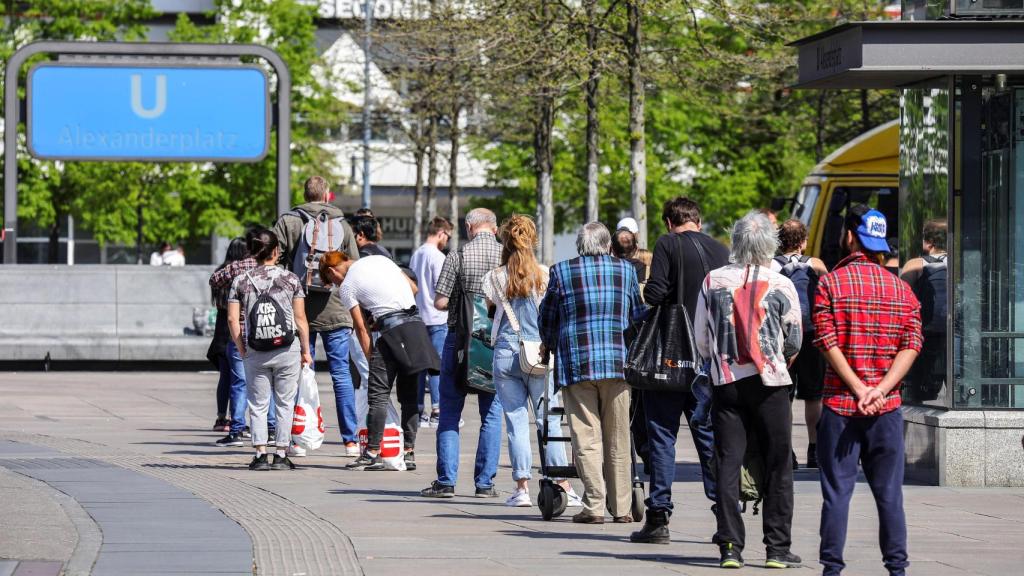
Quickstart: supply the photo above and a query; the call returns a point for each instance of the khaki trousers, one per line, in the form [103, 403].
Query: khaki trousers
[599, 423]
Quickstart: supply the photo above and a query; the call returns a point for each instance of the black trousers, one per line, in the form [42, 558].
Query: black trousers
[749, 408]
[383, 375]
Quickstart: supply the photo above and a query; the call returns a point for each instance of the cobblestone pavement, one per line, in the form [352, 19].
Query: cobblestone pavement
[323, 519]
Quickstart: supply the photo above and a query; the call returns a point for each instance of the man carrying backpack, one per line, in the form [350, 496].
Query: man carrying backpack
[306, 233]
[808, 371]
[927, 277]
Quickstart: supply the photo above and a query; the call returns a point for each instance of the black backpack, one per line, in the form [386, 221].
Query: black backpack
[267, 324]
[805, 280]
[930, 289]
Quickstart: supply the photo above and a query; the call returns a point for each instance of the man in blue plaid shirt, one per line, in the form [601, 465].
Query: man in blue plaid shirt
[590, 302]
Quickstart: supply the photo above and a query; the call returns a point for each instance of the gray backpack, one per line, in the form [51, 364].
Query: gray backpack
[320, 234]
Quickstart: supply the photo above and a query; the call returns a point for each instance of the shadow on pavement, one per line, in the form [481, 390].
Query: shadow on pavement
[702, 561]
[581, 535]
[239, 466]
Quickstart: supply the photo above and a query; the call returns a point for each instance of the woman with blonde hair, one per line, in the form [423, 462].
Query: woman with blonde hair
[516, 289]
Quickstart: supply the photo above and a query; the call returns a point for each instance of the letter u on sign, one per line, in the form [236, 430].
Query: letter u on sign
[161, 97]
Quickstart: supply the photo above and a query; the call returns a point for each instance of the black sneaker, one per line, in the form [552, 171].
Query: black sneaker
[731, 557]
[364, 460]
[271, 434]
[259, 463]
[282, 463]
[231, 440]
[410, 460]
[812, 455]
[438, 490]
[377, 465]
[488, 492]
[796, 465]
[786, 560]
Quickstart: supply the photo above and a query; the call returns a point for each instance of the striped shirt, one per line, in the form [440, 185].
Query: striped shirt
[870, 315]
[590, 302]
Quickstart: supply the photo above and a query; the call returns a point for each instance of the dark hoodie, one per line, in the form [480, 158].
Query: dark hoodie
[323, 309]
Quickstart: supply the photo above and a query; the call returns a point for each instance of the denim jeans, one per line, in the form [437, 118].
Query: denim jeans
[438, 334]
[453, 401]
[336, 347]
[517, 393]
[878, 443]
[663, 411]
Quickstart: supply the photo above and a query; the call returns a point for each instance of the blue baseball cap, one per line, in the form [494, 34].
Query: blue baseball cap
[871, 231]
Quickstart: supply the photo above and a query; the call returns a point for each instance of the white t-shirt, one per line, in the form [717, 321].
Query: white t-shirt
[426, 263]
[377, 285]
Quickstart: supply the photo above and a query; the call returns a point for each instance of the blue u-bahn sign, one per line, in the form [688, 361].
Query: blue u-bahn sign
[149, 113]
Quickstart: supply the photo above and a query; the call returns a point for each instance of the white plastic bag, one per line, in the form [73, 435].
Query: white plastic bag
[308, 420]
[392, 445]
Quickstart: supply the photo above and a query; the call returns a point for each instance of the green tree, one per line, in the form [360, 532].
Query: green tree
[287, 26]
[49, 192]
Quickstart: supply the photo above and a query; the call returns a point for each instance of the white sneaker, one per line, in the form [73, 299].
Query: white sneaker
[574, 500]
[352, 450]
[424, 421]
[461, 422]
[519, 499]
[296, 451]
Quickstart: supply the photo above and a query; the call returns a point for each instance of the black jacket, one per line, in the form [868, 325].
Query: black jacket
[661, 286]
[408, 345]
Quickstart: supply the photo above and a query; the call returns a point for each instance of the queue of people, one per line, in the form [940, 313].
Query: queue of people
[768, 323]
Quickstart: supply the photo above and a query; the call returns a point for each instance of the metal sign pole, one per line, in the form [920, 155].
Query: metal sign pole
[155, 49]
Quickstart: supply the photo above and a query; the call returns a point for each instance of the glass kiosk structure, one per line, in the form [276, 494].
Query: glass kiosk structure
[961, 79]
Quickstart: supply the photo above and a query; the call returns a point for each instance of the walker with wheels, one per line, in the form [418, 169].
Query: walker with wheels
[552, 500]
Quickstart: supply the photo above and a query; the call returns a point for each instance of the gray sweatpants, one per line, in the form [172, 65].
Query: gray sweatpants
[277, 372]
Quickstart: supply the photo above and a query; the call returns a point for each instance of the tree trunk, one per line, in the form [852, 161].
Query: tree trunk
[453, 173]
[637, 140]
[53, 247]
[592, 205]
[138, 233]
[819, 131]
[432, 167]
[543, 125]
[865, 112]
[417, 201]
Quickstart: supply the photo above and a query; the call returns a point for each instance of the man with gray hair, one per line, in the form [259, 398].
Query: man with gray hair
[748, 326]
[590, 302]
[460, 280]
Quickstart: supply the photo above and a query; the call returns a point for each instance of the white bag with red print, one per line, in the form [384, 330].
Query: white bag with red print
[308, 420]
[392, 445]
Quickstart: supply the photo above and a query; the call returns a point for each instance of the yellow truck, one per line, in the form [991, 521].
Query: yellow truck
[865, 170]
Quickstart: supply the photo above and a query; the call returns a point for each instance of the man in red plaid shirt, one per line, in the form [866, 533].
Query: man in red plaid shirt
[868, 326]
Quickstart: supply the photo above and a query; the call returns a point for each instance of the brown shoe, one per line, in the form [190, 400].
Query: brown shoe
[627, 519]
[587, 518]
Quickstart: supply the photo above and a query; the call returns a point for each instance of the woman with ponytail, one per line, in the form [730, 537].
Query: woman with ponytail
[516, 289]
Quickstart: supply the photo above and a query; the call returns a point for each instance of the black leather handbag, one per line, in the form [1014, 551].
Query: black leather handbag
[663, 357]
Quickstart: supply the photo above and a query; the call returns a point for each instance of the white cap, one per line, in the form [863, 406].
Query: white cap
[629, 224]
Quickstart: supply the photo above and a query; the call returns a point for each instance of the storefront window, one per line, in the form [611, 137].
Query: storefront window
[923, 208]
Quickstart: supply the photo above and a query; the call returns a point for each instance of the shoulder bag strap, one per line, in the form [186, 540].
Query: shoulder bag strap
[700, 254]
[680, 263]
[509, 313]
[254, 285]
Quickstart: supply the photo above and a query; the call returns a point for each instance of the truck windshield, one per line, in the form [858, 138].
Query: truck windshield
[806, 198]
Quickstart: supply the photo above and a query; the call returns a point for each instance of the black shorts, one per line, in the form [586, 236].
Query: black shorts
[808, 372]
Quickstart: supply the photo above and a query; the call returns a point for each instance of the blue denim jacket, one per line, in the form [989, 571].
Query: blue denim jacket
[527, 314]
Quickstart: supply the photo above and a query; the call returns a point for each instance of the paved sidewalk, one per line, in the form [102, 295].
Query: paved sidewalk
[323, 519]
